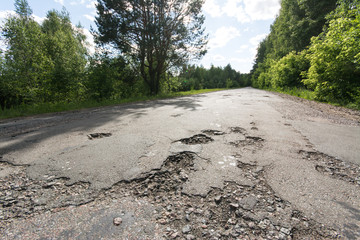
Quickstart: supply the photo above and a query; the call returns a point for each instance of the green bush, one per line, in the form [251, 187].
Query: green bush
[334, 56]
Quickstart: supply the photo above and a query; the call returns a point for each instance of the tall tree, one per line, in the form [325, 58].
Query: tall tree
[65, 47]
[155, 35]
[26, 63]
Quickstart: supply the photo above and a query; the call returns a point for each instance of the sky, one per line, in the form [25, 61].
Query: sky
[235, 27]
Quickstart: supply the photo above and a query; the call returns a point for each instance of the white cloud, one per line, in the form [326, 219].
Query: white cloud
[243, 10]
[6, 13]
[77, 2]
[38, 19]
[59, 1]
[90, 40]
[262, 9]
[254, 41]
[222, 36]
[257, 39]
[89, 17]
[92, 4]
[235, 8]
[212, 8]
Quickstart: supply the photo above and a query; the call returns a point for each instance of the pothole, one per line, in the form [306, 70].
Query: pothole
[213, 132]
[197, 139]
[92, 136]
[333, 167]
[238, 130]
[249, 140]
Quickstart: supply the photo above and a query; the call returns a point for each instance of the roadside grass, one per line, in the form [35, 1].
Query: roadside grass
[35, 109]
[310, 95]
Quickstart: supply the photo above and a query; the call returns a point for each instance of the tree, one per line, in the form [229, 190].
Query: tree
[335, 56]
[155, 35]
[26, 64]
[65, 46]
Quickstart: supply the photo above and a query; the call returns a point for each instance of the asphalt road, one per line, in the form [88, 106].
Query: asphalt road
[295, 146]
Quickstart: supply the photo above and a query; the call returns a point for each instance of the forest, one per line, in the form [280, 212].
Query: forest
[313, 50]
[49, 63]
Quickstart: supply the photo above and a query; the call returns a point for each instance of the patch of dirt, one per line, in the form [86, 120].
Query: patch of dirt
[197, 139]
[333, 167]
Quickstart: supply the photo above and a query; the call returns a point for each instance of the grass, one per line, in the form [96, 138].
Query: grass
[310, 95]
[35, 109]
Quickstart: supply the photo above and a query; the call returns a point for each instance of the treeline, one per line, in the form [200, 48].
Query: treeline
[313, 45]
[50, 63]
[197, 77]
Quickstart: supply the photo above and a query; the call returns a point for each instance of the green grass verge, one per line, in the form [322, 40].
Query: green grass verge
[35, 109]
[310, 95]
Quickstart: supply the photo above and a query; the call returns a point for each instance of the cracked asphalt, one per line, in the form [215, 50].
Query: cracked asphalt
[236, 164]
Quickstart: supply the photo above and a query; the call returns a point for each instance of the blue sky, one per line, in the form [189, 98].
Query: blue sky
[235, 27]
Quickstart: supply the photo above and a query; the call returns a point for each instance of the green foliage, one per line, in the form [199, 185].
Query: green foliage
[331, 64]
[26, 64]
[110, 78]
[65, 47]
[335, 57]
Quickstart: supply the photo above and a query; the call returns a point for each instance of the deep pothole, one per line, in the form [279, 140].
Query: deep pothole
[334, 167]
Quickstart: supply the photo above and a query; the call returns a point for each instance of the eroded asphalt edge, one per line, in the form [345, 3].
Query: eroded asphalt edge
[236, 208]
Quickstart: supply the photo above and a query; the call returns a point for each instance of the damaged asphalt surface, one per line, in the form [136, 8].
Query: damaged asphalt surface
[237, 164]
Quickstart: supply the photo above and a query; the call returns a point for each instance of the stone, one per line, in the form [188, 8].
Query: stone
[186, 229]
[117, 221]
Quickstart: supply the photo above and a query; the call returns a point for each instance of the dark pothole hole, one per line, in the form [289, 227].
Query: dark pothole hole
[92, 136]
[196, 139]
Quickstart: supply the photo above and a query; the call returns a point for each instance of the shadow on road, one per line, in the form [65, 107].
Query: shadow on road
[26, 133]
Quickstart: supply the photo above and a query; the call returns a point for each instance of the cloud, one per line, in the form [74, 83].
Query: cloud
[59, 1]
[262, 9]
[243, 10]
[92, 4]
[89, 17]
[222, 36]
[6, 13]
[90, 40]
[254, 41]
[212, 8]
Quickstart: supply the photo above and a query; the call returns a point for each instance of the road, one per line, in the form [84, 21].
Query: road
[242, 163]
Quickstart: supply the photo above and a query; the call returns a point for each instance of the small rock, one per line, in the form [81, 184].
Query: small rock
[174, 235]
[117, 221]
[186, 229]
[285, 231]
[162, 221]
[234, 205]
[190, 237]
